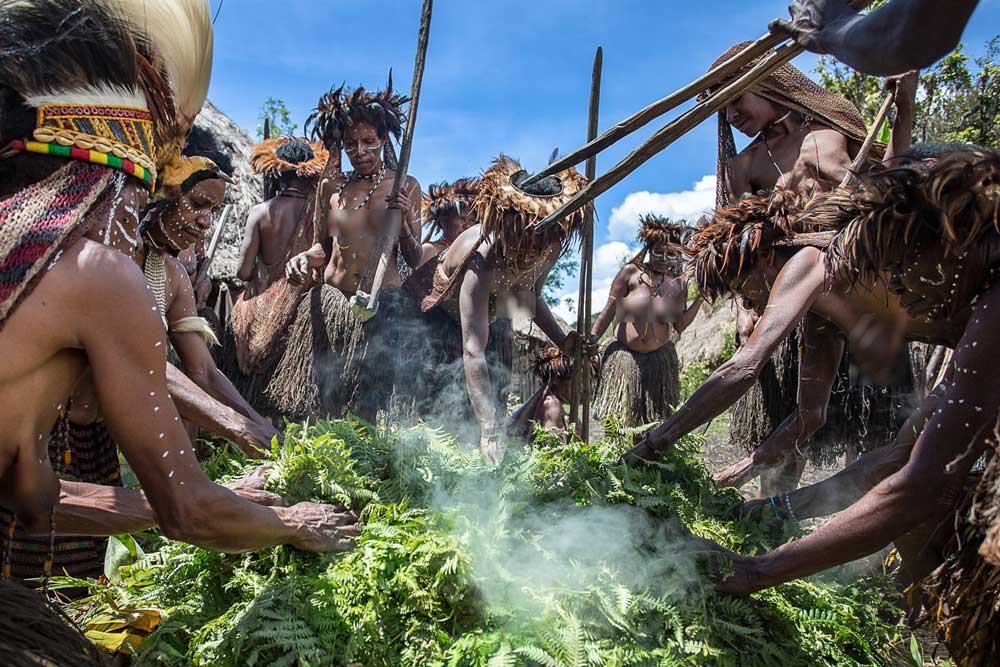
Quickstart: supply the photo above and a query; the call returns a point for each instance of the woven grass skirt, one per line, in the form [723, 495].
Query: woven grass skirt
[638, 388]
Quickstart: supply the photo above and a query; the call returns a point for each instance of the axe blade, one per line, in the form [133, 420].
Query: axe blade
[360, 307]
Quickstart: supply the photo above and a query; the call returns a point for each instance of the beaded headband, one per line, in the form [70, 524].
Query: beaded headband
[115, 136]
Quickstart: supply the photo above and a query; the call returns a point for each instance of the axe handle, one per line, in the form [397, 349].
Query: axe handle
[393, 223]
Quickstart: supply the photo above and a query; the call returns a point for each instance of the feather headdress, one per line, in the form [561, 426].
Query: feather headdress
[446, 199]
[264, 159]
[552, 365]
[114, 82]
[725, 251]
[339, 109]
[659, 230]
[507, 213]
[952, 202]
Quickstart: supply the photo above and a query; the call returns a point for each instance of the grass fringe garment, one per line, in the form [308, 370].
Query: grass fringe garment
[962, 595]
[318, 373]
[35, 632]
[638, 388]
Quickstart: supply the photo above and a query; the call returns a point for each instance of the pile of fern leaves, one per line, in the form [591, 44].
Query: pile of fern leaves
[558, 558]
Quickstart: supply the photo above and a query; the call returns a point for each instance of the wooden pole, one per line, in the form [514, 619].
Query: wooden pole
[672, 132]
[866, 148]
[364, 305]
[642, 117]
[581, 365]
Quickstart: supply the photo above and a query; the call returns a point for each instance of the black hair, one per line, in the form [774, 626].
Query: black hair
[294, 152]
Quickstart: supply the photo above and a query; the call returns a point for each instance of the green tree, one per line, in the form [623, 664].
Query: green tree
[958, 99]
[564, 268]
[275, 111]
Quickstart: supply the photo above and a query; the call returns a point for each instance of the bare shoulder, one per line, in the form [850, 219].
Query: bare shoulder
[175, 270]
[806, 264]
[106, 280]
[259, 211]
[412, 183]
[825, 140]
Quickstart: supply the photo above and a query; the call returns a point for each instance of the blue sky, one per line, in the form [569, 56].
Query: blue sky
[508, 76]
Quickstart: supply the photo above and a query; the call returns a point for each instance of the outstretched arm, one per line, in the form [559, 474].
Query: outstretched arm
[853, 482]
[900, 36]
[798, 285]
[689, 313]
[198, 362]
[925, 489]
[823, 350]
[251, 243]
[94, 509]
[196, 406]
[127, 357]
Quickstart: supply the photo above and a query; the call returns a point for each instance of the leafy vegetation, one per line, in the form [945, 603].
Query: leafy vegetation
[278, 118]
[560, 557]
[958, 99]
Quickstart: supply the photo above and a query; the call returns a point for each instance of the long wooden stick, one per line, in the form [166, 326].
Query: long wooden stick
[866, 148]
[672, 132]
[394, 217]
[581, 375]
[642, 117]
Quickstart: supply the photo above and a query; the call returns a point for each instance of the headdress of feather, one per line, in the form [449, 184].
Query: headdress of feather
[659, 230]
[446, 199]
[264, 159]
[552, 365]
[952, 202]
[726, 250]
[507, 213]
[339, 109]
[122, 79]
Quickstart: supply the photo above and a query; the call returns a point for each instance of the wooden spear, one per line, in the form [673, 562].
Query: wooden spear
[713, 77]
[866, 148]
[364, 305]
[581, 364]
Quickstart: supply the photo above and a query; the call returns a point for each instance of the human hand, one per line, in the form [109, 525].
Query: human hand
[255, 438]
[491, 445]
[816, 25]
[202, 291]
[905, 86]
[643, 451]
[734, 574]
[297, 270]
[251, 487]
[321, 528]
[401, 200]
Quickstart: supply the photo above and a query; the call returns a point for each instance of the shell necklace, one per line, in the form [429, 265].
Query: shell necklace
[377, 181]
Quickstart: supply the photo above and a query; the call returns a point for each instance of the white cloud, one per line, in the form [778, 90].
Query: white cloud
[688, 204]
[598, 298]
[608, 258]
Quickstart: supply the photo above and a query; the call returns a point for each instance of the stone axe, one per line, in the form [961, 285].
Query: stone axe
[364, 304]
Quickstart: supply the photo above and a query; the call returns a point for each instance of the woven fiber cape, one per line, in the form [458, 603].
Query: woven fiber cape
[506, 215]
[792, 89]
[954, 202]
[38, 223]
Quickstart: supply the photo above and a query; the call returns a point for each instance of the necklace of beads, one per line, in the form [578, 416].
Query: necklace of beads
[354, 176]
[653, 289]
